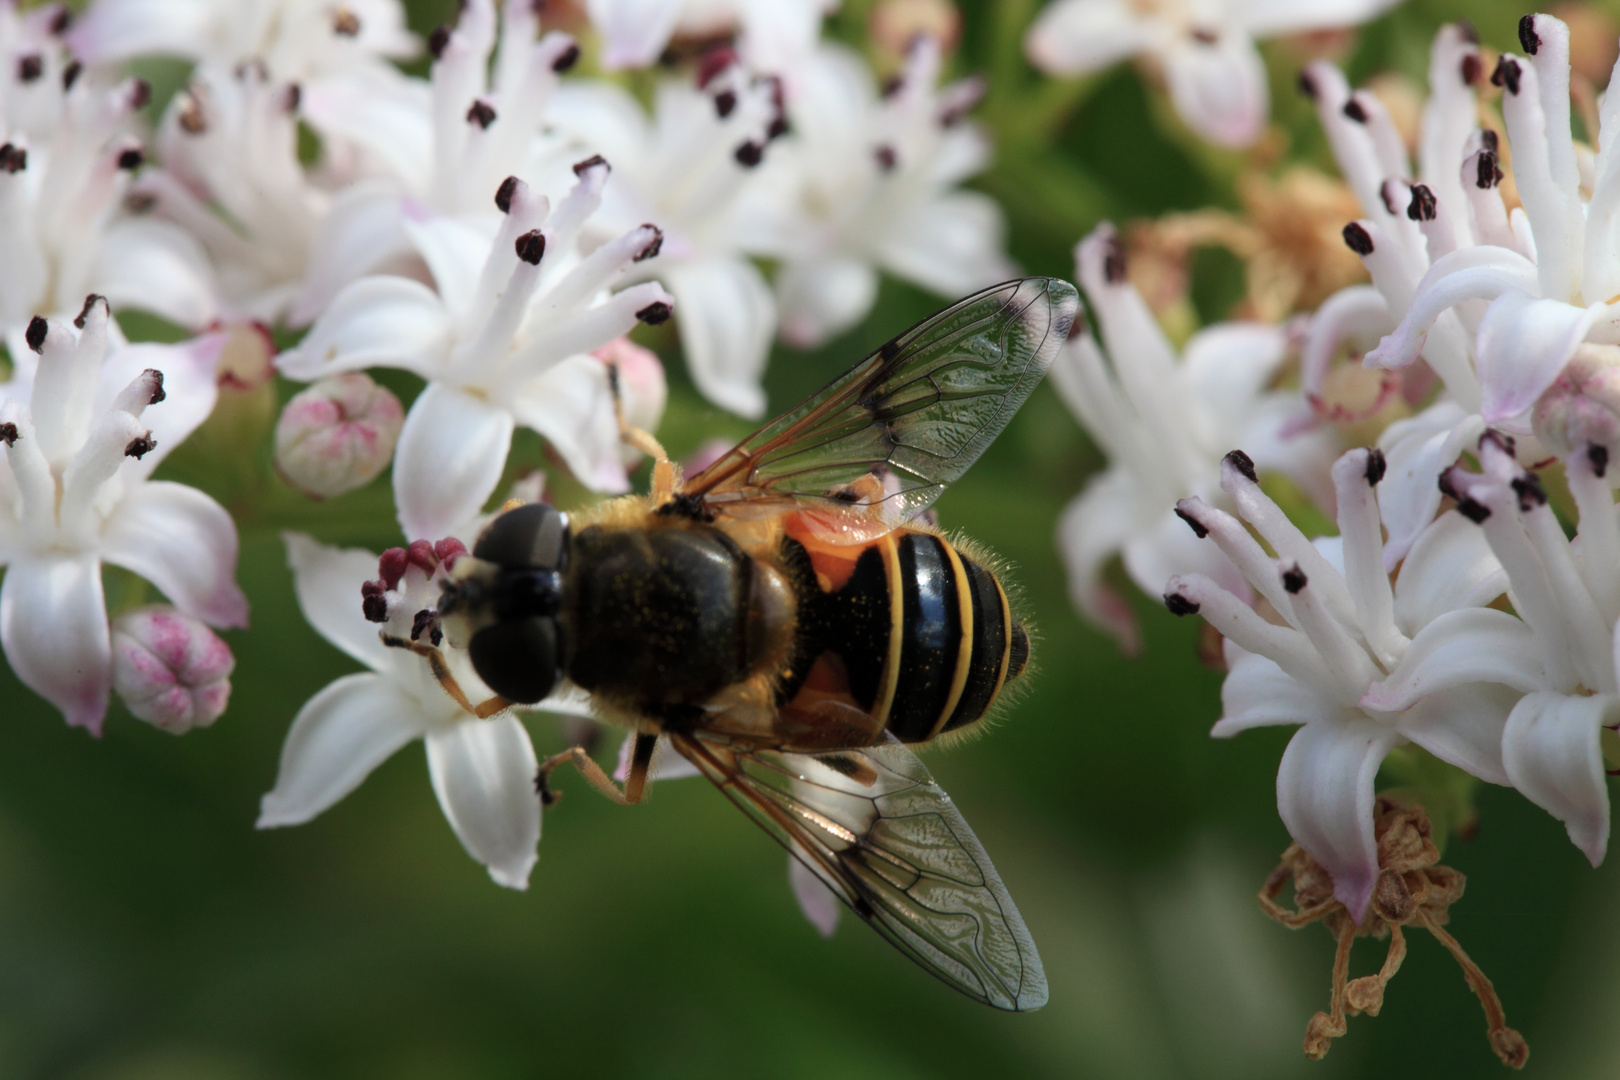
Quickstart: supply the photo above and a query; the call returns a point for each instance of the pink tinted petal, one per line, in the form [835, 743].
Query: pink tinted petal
[184, 543]
[170, 670]
[633, 32]
[1219, 88]
[376, 321]
[154, 265]
[118, 29]
[726, 315]
[1258, 693]
[1523, 344]
[450, 455]
[1463, 726]
[1553, 756]
[1094, 528]
[327, 581]
[53, 626]
[1458, 648]
[338, 737]
[820, 905]
[1325, 797]
[483, 773]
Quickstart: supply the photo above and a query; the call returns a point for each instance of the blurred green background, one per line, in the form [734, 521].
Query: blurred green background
[147, 931]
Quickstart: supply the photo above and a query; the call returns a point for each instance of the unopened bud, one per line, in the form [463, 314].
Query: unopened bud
[170, 669]
[337, 435]
[1582, 406]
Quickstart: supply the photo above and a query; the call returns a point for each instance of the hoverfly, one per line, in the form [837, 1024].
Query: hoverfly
[787, 623]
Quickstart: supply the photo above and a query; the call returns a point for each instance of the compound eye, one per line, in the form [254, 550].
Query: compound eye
[518, 659]
[533, 535]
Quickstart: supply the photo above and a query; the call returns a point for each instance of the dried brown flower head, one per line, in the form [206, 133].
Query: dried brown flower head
[1412, 890]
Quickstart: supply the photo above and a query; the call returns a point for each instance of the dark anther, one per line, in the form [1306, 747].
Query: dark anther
[655, 314]
[589, 163]
[60, 21]
[652, 248]
[1599, 457]
[84, 312]
[13, 159]
[1503, 442]
[686, 507]
[131, 159]
[1179, 605]
[1307, 85]
[373, 604]
[138, 447]
[503, 194]
[1530, 492]
[424, 622]
[30, 67]
[140, 93]
[35, 334]
[1490, 141]
[1527, 34]
[531, 246]
[1473, 511]
[345, 23]
[1446, 488]
[777, 128]
[1205, 37]
[1376, 466]
[1113, 260]
[438, 40]
[568, 58]
[1506, 74]
[1486, 174]
[886, 158]
[1244, 464]
[292, 97]
[1358, 239]
[8, 434]
[1293, 579]
[1354, 111]
[1192, 523]
[71, 73]
[158, 393]
[724, 102]
[892, 85]
[481, 113]
[749, 154]
[1424, 206]
[1470, 69]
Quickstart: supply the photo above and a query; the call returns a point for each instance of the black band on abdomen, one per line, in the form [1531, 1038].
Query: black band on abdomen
[932, 637]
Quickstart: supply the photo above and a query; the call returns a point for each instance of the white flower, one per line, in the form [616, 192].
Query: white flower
[1547, 274]
[1345, 630]
[869, 182]
[170, 670]
[482, 770]
[1165, 423]
[1568, 598]
[1206, 48]
[771, 33]
[692, 167]
[300, 40]
[505, 340]
[77, 492]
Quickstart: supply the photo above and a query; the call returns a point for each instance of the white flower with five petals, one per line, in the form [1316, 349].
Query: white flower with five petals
[77, 492]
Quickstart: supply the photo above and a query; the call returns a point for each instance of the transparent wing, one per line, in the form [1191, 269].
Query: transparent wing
[872, 824]
[912, 416]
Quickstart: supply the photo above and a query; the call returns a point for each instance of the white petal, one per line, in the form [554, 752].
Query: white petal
[455, 252]
[183, 542]
[156, 266]
[1461, 647]
[1075, 36]
[1219, 88]
[1258, 693]
[1463, 726]
[572, 406]
[53, 626]
[483, 773]
[819, 903]
[1451, 566]
[1093, 528]
[727, 318]
[190, 387]
[820, 298]
[633, 32]
[1267, 18]
[338, 737]
[1325, 797]
[666, 764]
[376, 321]
[450, 455]
[1553, 757]
[362, 233]
[951, 244]
[1523, 344]
[1416, 451]
[327, 581]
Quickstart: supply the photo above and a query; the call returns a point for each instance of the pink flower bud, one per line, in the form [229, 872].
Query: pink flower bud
[169, 669]
[337, 435]
[1582, 406]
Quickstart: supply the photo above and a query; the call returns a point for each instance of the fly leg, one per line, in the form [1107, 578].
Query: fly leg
[635, 782]
[441, 671]
[666, 476]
